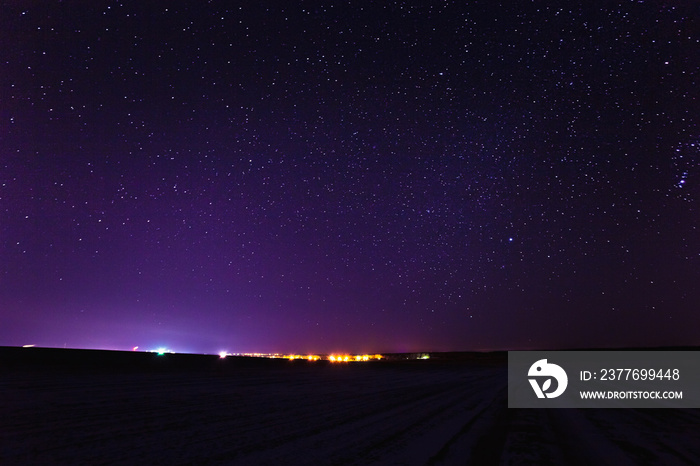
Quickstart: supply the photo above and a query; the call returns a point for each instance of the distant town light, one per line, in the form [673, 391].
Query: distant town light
[310, 357]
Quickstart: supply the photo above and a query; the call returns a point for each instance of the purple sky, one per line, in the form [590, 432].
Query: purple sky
[372, 176]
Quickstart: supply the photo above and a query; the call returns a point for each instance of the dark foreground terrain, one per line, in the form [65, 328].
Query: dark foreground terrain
[96, 407]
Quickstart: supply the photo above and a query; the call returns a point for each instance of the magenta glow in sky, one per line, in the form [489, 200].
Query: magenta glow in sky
[316, 177]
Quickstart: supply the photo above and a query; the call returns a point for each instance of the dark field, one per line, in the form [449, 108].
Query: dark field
[96, 407]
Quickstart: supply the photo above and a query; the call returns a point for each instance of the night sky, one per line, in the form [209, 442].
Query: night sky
[349, 176]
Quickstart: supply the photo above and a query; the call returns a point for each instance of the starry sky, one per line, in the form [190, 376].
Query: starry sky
[316, 176]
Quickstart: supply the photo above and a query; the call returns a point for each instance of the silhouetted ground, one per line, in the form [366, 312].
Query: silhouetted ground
[99, 407]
